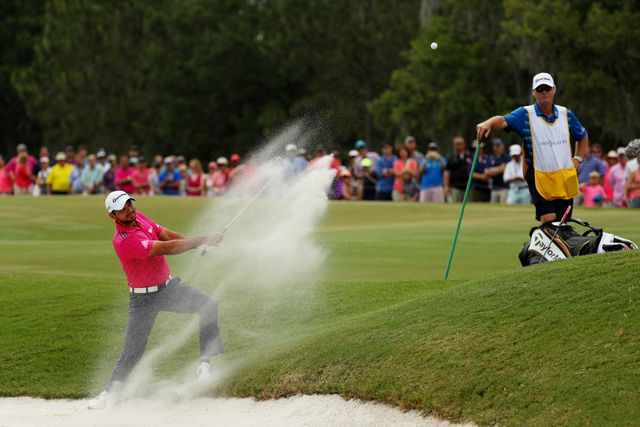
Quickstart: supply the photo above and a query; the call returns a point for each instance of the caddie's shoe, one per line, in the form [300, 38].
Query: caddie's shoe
[100, 401]
[204, 371]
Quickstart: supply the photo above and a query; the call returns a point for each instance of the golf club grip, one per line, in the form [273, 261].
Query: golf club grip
[204, 249]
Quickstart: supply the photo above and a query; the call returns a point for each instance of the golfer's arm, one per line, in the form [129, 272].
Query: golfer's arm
[167, 235]
[447, 178]
[175, 247]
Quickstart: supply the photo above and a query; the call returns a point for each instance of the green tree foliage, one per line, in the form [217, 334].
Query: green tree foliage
[202, 77]
[20, 27]
[488, 53]
[205, 77]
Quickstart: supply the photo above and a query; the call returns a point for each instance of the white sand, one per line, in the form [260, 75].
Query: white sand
[314, 410]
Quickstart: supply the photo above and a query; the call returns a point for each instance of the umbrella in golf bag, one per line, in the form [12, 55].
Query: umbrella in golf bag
[555, 240]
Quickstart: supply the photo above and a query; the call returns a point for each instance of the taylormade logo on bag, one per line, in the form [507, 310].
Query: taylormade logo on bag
[540, 242]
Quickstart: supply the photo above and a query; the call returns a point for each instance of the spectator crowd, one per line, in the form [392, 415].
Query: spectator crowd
[401, 173]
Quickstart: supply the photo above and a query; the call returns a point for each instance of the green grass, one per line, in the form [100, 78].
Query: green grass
[552, 344]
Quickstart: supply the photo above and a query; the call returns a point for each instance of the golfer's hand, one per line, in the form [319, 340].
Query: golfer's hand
[213, 239]
[483, 130]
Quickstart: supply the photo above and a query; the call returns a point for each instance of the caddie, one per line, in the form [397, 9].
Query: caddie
[141, 245]
[546, 129]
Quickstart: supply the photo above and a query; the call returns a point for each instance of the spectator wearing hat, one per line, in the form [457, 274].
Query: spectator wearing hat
[5, 179]
[342, 185]
[368, 180]
[101, 158]
[109, 175]
[495, 171]
[40, 187]
[124, 181]
[363, 152]
[616, 178]
[456, 174]
[405, 169]
[21, 151]
[592, 191]
[411, 143]
[431, 171]
[514, 177]
[611, 160]
[59, 178]
[293, 163]
[170, 178]
[220, 177]
[140, 176]
[384, 171]
[196, 181]
[91, 176]
[42, 152]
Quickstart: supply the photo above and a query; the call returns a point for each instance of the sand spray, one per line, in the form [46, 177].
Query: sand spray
[264, 274]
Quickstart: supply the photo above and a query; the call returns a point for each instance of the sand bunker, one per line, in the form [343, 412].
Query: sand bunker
[314, 410]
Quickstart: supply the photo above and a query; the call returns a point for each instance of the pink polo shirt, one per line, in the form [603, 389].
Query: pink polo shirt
[132, 245]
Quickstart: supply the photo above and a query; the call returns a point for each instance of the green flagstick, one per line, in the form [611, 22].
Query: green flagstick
[464, 203]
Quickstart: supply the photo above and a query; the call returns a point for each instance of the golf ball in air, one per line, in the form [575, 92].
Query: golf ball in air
[434, 45]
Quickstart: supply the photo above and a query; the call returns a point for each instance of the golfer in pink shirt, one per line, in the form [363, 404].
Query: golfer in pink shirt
[141, 244]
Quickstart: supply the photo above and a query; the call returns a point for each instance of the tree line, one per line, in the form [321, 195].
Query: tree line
[203, 77]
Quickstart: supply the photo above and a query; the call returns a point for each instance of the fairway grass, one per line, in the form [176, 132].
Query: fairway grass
[551, 344]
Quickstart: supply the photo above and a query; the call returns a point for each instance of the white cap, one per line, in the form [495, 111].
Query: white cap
[542, 79]
[116, 200]
[222, 161]
[620, 151]
[515, 150]
[354, 153]
[291, 147]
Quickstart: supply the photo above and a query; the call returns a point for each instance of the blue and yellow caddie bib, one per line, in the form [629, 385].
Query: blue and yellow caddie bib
[555, 174]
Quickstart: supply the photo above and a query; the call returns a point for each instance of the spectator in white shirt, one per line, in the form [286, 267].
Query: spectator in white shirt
[514, 177]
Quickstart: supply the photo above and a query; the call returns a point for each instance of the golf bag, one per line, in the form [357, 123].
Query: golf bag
[568, 242]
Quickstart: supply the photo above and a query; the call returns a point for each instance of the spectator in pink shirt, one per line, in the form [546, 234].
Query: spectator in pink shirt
[23, 180]
[123, 175]
[616, 178]
[5, 179]
[593, 193]
[21, 150]
[140, 176]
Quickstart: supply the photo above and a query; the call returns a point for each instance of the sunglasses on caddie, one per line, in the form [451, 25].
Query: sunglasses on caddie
[543, 88]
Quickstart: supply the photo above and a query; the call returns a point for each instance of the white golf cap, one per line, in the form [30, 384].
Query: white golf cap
[116, 200]
[291, 147]
[222, 161]
[542, 79]
[620, 151]
[354, 153]
[515, 150]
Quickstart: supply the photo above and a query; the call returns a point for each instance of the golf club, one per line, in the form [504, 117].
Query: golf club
[564, 218]
[205, 248]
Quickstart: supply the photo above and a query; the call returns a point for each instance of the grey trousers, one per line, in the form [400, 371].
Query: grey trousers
[176, 297]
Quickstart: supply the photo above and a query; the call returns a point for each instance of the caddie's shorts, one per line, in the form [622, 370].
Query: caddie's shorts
[544, 206]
